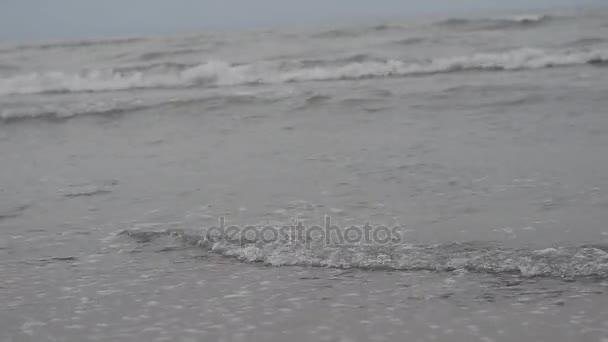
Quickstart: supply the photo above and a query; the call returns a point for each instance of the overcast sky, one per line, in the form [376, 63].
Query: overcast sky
[44, 19]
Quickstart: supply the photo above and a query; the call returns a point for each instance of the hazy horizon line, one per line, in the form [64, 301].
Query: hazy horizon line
[308, 23]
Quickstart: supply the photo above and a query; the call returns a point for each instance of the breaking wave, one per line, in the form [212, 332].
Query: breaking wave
[221, 73]
[480, 257]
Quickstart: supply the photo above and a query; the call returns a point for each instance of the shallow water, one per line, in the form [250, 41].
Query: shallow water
[483, 140]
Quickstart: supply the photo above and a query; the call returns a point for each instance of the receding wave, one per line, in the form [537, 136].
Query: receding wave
[9, 116]
[558, 262]
[521, 21]
[119, 107]
[220, 73]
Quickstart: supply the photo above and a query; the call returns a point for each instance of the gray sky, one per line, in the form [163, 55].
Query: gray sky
[44, 19]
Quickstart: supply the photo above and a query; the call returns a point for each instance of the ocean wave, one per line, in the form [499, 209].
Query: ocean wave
[480, 257]
[115, 79]
[357, 31]
[12, 212]
[61, 114]
[311, 63]
[337, 33]
[387, 27]
[147, 56]
[8, 67]
[530, 18]
[221, 73]
[160, 67]
[585, 42]
[77, 44]
[410, 41]
[520, 21]
[117, 107]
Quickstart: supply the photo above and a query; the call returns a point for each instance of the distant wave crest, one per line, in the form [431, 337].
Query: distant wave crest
[75, 44]
[521, 21]
[357, 31]
[221, 73]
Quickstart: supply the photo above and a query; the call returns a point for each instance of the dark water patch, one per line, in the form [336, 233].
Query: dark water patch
[171, 249]
[312, 63]
[163, 54]
[13, 212]
[8, 68]
[585, 42]
[317, 99]
[147, 236]
[358, 58]
[57, 117]
[454, 22]
[79, 44]
[82, 233]
[519, 101]
[359, 101]
[158, 67]
[337, 33]
[485, 89]
[241, 99]
[386, 27]
[49, 261]
[36, 231]
[372, 110]
[88, 193]
[357, 31]
[155, 142]
[63, 258]
[602, 62]
[385, 93]
[410, 41]
[222, 101]
[314, 101]
[43, 115]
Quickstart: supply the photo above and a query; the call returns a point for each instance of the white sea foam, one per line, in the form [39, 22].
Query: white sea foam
[564, 262]
[529, 18]
[221, 73]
